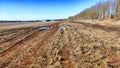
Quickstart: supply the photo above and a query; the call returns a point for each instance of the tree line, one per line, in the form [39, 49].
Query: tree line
[102, 10]
[19, 21]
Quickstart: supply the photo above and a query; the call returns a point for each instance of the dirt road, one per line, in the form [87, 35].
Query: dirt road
[60, 45]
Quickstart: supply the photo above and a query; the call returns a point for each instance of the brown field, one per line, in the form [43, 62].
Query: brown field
[64, 44]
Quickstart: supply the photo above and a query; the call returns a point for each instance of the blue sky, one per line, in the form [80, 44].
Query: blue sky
[42, 9]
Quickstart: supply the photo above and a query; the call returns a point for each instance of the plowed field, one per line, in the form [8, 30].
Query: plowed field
[59, 45]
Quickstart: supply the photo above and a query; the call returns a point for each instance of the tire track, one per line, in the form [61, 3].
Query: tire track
[15, 47]
[22, 50]
[20, 44]
[13, 41]
[14, 35]
[66, 61]
[40, 49]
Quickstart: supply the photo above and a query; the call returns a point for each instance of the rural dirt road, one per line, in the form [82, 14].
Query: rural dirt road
[60, 45]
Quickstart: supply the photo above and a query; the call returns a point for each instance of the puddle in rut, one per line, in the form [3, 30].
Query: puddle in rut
[63, 27]
[43, 28]
[69, 26]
